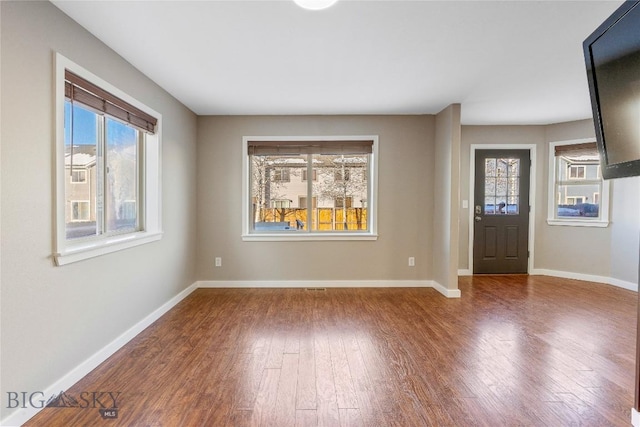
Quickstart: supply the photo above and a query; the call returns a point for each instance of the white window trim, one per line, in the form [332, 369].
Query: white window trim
[68, 251]
[551, 205]
[372, 207]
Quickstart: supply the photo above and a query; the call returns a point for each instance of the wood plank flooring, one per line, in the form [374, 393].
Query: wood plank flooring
[513, 351]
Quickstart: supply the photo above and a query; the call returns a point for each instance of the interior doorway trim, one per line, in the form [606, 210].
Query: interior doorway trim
[532, 194]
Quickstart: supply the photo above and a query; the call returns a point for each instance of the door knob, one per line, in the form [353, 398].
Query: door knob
[478, 218]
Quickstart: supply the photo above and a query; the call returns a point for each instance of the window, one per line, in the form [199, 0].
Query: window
[78, 176]
[341, 174]
[80, 210]
[502, 186]
[578, 195]
[108, 148]
[304, 175]
[577, 171]
[343, 202]
[302, 202]
[342, 189]
[572, 200]
[281, 175]
[282, 204]
[112, 148]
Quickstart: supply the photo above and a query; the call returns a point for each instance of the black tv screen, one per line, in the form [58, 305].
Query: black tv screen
[612, 55]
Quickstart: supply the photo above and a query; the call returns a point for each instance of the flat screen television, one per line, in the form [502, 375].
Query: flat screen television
[612, 56]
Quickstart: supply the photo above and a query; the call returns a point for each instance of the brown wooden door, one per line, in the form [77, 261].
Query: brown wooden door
[501, 212]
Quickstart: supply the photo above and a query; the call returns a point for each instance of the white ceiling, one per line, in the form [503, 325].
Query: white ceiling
[506, 62]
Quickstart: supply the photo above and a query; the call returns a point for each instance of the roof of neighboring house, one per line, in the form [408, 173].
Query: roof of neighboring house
[80, 160]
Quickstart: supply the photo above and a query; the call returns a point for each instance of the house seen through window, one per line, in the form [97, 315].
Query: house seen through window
[280, 189]
[102, 160]
[577, 184]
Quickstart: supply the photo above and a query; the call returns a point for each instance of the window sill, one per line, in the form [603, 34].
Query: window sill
[578, 222]
[307, 237]
[89, 249]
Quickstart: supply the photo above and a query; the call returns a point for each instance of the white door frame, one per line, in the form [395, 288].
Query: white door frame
[532, 193]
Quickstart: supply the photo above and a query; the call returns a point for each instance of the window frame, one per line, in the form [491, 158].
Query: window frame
[304, 175]
[78, 202]
[280, 203]
[339, 177]
[340, 202]
[552, 200]
[582, 168]
[67, 251]
[73, 171]
[574, 199]
[252, 235]
[281, 175]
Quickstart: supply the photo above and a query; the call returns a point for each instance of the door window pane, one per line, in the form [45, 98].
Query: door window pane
[502, 186]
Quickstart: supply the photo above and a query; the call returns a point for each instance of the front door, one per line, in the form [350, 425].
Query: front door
[501, 212]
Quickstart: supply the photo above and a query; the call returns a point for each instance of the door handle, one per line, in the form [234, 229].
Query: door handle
[478, 218]
[478, 209]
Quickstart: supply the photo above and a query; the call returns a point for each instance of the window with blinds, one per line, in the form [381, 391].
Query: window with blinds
[342, 170]
[576, 185]
[108, 152]
[103, 140]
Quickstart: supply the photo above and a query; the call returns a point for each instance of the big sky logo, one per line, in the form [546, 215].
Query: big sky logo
[105, 401]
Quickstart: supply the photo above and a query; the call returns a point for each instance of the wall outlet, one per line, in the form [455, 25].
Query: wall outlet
[218, 261]
[412, 261]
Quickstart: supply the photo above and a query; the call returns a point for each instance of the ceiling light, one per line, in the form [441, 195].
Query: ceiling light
[315, 4]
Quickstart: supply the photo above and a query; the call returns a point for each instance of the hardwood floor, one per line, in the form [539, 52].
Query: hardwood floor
[514, 350]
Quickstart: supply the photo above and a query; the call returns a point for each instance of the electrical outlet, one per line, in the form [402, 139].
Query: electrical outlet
[412, 261]
[218, 261]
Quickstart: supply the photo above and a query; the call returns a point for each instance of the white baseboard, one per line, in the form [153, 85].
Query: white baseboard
[449, 293]
[315, 284]
[635, 418]
[465, 272]
[587, 277]
[22, 415]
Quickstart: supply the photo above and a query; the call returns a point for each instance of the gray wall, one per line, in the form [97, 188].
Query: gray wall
[496, 135]
[574, 249]
[610, 252]
[445, 197]
[54, 318]
[625, 231]
[405, 209]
